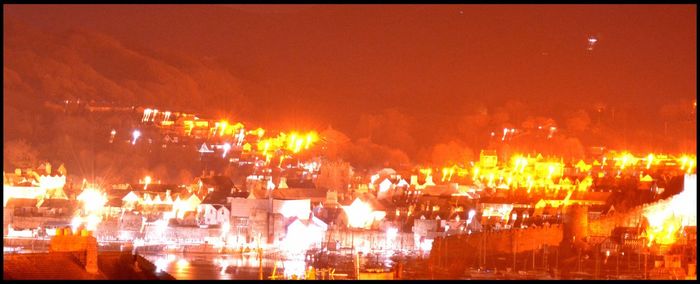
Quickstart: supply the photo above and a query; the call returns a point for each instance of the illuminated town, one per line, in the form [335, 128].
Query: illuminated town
[218, 186]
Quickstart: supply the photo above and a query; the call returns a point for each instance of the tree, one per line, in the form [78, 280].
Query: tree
[333, 143]
[390, 128]
[185, 176]
[451, 153]
[19, 154]
[578, 121]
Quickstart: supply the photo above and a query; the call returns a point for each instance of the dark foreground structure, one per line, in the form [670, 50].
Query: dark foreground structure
[75, 257]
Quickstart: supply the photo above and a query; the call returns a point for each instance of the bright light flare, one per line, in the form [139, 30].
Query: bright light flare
[227, 147]
[667, 218]
[146, 181]
[136, 134]
[146, 115]
[75, 223]
[92, 222]
[93, 200]
[359, 214]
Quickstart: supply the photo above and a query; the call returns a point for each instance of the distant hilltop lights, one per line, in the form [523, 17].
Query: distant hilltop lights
[234, 136]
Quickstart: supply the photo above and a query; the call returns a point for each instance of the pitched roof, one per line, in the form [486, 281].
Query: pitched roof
[220, 182]
[299, 193]
[300, 183]
[592, 196]
[22, 202]
[216, 197]
[154, 187]
[63, 266]
[439, 190]
[46, 266]
[57, 203]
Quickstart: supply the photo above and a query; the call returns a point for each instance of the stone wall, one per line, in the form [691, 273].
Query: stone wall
[22, 222]
[605, 225]
[180, 233]
[375, 239]
[462, 250]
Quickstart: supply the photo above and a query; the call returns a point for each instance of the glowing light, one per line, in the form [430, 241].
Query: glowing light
[161, 264]
[146, 181]
[447, 173]
[181, 263]
[360, 214]
[136, 134]
[426, 245]
[225, 228]
[241, 136]
[75, 223]
[227, 147]
[92, 222]
[592, 40]
[666, 218]
[92, 199]
[224, 124]
[391, 234]
[300, 236]
[297, 148]
[687, 163]
[146, 115]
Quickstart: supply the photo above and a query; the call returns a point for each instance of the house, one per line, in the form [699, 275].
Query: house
[425, 228]
[384, 189]
[488, 159]
[23, 206]
[113, 207]
[215, 183]
[213, 214]
[61, 263]
[268, 218]
[179, 203]
[56, 207]
[497, 210]
[302, 234]
[300, 183]
[315, 195]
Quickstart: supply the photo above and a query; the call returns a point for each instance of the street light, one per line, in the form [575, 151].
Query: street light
[136, 134]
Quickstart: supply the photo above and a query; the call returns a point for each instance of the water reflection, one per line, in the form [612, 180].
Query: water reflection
[212, 266]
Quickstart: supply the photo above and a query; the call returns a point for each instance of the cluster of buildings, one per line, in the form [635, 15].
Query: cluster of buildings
[279, 203]
[488, 196]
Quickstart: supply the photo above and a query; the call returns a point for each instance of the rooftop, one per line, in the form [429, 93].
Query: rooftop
[65, 266]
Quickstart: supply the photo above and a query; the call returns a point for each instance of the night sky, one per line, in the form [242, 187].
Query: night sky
[315, 65]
